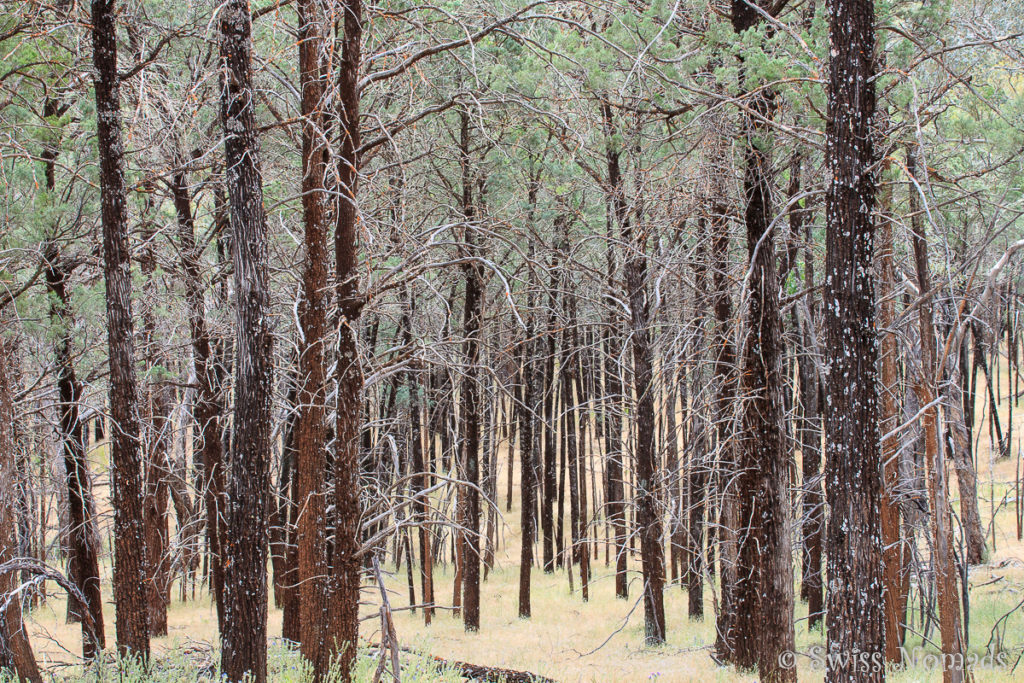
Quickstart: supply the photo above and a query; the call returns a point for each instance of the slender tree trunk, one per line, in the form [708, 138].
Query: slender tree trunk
[15, 648]
[470, 413]
[528, 453]
[208, 408]
[943, 564]
[567, 368]
[577, 408]
[83, 561]
[813, 499]
[157, 428]
[420, 482]
[288, 511]
[725, 396]
[156, 512]
[648, 519]
[550, 523]
[244, 634]
[959, 448]
[131, 614]
[697, 474]
[343, 613]
[614, 447]
[311, 422]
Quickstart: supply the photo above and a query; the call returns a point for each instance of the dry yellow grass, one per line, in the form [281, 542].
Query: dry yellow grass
[600, 640]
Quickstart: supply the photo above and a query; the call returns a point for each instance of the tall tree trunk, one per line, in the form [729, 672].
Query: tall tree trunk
[893, 548]
[157, 428]
[648, 518]
[208, 403]
[420, 482]
[311, 422]
[287, 513]
[853, 467]
[813, 498]
[725, 396]
[762, 628]
[15, 648]
[131, 615]
[343, 617]
[578, 443]
[567, 369]
[959, 447]
[550, 522]
[943, 564]
[670, 365]
[697, 474]
[244, 632]
[83, 561]
[470, 412]
[809, 435]
[528, 453]
[614, 447]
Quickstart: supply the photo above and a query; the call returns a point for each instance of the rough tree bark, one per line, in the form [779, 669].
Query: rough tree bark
[813, 498]
[853, 467]
[311, 422]
[156, 429]
[528, 451]
[343, 613]
[420, 481]
[725, 396]
[695, 504]
[207, 408]
[647, 475]
[244, 632]
[762, 625]
[15, 648]
[130, 609]
[943, 564]
[470, 412]
[894, 550]
[83, 561]
[614, 449]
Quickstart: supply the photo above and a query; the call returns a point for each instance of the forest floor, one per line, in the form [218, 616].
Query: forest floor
[600, 640]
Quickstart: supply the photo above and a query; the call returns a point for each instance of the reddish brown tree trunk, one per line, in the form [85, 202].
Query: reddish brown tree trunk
[614, 449]
[157, 431]
[943, 564]
[130, 606]
[648, 518]
[694, 498]
[893, 548]
[420, 481]
[725, 396]
[207, 408]
[15, 648]
[343, 613]
[83, 561]
[311, 426]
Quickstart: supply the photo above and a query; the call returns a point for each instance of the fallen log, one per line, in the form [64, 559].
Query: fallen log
[491, 674]
[481, 672]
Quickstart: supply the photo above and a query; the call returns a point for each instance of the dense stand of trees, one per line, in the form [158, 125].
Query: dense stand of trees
[712, 283]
